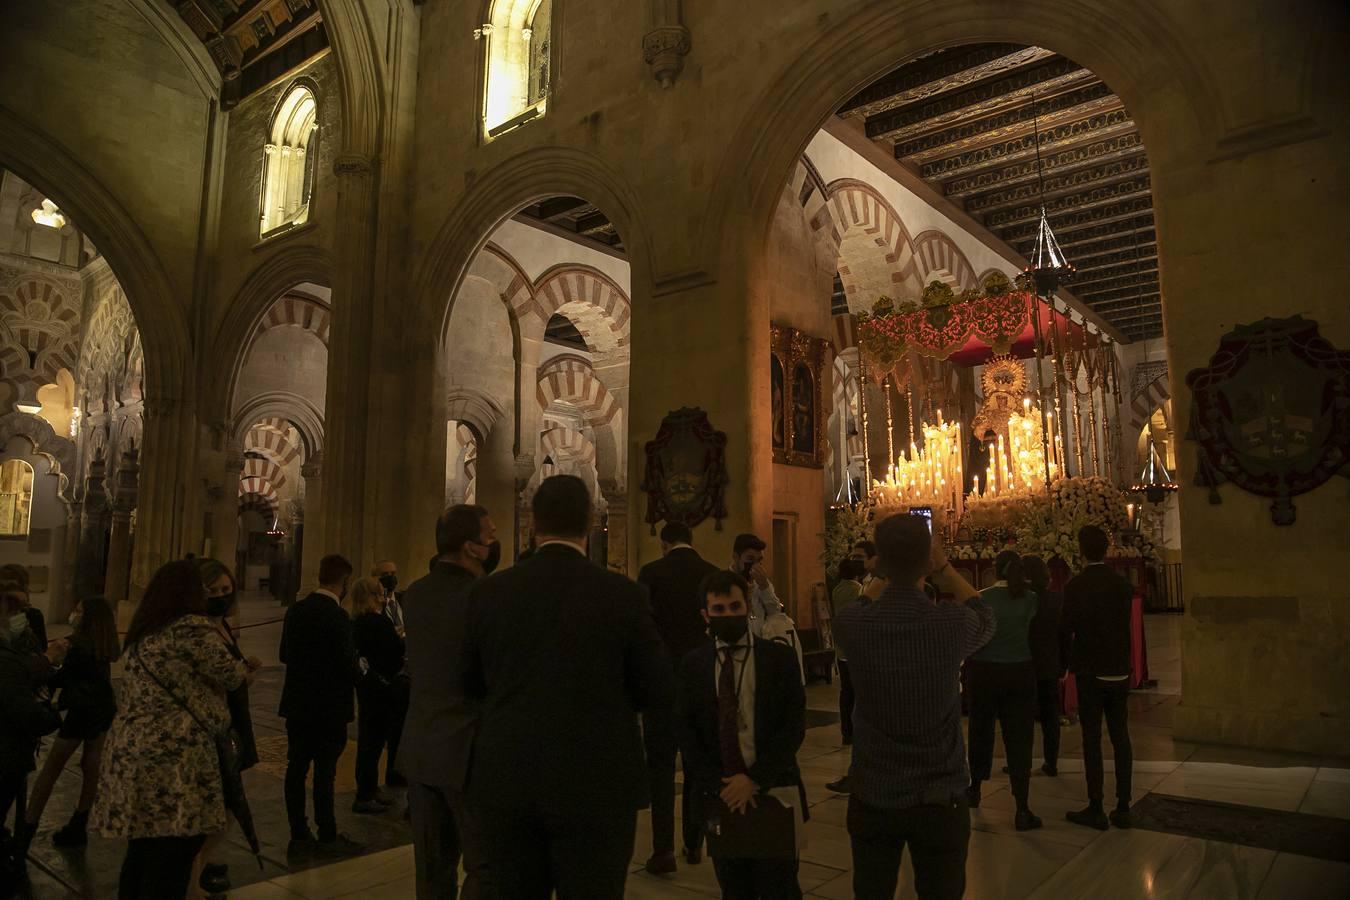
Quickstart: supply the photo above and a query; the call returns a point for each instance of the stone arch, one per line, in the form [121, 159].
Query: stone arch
[263, 469]
[39, 327]
[571, 379]
[559, 439]
[591, 299]
[1153, 395]
[813, 196]
[876, 253]
[936, 252]
[526, 178]
[1168, 89]
[296, 410]
[475, 408]
[58, 451]
[269, 437]
[358, 44]
[44, 163]
[299, 311]
[273, 278]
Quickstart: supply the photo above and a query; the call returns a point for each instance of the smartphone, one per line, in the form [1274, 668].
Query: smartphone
[926, 512]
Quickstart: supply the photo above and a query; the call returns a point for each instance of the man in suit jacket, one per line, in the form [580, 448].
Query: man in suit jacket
[562, 656]
[439, 732]
[1097, 605]
[386, 570]
[741, 716]
[317, 702]
[672, 584]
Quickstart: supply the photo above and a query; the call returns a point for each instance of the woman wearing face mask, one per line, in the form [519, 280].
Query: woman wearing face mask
[382, 649]
[221, 602]
[161, 781]
[24, 718]
[87, 697]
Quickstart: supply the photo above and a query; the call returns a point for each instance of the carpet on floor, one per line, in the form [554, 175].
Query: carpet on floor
[1322, 837]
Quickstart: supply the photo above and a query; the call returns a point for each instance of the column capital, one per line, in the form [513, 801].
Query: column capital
[664, 49]
[312, 467]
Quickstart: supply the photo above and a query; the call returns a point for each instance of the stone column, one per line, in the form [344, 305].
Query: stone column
[119, 544]
[70, 559]
[312, 549]
[168, 512]
[224, 500]
[89, 564]
[617, 537]
[342, 529]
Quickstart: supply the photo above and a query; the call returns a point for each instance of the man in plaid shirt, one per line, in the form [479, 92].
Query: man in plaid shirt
[909, 772]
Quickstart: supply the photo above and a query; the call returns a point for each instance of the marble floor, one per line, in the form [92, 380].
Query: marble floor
[1060, 861]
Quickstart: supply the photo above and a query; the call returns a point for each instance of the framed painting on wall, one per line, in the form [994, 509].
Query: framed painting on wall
[798, 402]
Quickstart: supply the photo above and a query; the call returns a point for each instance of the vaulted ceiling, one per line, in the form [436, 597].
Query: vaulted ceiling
[962, 119]
[254, 42]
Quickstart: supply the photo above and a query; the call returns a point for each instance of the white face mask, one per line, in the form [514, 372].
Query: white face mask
[18, 624]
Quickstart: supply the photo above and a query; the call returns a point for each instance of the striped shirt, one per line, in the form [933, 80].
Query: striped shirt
[904, 657]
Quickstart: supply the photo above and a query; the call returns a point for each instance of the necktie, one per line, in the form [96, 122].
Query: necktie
[728, 715]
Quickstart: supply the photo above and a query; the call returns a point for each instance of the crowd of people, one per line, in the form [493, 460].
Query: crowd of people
[531, 713]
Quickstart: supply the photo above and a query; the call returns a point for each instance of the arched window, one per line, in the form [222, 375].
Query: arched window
[519, 53]
[16, 497]
[289, 161]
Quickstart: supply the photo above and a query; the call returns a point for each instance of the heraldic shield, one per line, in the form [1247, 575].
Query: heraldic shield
[686, 477]
[1271, 412]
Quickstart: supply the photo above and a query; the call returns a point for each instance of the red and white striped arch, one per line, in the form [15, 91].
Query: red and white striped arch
[1146, 401]
[876, 253]
[571, 379]
[275, 439]
[939, 258]
[594, 303]
[297, 311]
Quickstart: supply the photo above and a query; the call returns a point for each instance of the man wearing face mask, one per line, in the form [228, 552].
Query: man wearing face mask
[440, 725]
[318, 702]
[741, 716]
[747, 561]
[387, 573]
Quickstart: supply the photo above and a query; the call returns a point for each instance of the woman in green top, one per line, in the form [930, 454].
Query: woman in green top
[1002, 682]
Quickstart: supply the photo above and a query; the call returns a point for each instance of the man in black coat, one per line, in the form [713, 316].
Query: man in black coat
[562, 656]
[317, 702]
[741, 717]
[1097, 605]
[437, 738]
[672, 584]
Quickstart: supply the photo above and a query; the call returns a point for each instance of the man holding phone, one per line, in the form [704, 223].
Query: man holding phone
[747, 561]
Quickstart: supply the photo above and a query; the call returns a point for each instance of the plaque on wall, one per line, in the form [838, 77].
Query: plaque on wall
[798, 398]
[1271, 412]
[686, 476]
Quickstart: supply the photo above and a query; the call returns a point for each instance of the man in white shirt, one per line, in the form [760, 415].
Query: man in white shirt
[740, 718]
[747, 561]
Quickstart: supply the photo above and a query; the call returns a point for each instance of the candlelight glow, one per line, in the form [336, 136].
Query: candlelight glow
[931, 477]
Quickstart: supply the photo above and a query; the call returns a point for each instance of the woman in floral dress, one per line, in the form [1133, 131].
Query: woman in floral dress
[161, 784]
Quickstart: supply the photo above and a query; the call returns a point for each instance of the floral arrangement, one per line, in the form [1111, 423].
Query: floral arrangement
[844, 527]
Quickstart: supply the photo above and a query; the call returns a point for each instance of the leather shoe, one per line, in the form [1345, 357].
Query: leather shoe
[1090, 817]
[662, 863]
[1122, 818]
[1026, 820]
[693, 856]
[1052, 771]
[839, 787]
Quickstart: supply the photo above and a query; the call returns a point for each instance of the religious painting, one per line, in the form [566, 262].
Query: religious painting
[686, 475]
[1271, 412]
[778, 391]
[798, 404]
[803, 410]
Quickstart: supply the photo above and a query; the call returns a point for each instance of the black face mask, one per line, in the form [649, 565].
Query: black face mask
[728, 629]
[219, 606]
[388, 581]
[494, 557]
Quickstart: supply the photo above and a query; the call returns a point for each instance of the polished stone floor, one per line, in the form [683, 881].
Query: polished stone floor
[1060, 861]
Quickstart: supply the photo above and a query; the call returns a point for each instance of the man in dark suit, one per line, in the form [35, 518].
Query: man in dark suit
[1097, 605]
[440, 727]
[740, 717]
[672, 584]
[317, 702]
[562, 656]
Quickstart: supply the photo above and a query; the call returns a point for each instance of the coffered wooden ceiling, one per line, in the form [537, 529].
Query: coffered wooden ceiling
[254, 42]
[962, 120]
[575, 217]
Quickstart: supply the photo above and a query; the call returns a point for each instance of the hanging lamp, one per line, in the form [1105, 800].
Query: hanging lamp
[1049, 267]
